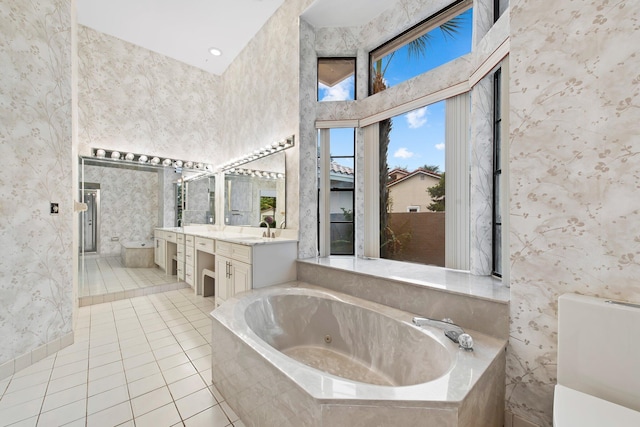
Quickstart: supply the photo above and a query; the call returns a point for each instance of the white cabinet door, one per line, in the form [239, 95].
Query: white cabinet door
[240, 277]
[159, 253]
[223, 270]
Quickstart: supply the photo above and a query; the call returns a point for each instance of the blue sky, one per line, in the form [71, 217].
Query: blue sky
[417, 137]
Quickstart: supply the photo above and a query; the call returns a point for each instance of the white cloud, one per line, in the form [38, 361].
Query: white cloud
[403, 153]
[440, 146]
[417, 118]
[338, 92]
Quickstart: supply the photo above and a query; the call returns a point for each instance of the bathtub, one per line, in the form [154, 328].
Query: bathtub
[300, 355]
[137, 254]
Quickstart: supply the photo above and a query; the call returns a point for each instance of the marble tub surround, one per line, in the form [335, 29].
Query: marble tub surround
[137, 254]
[480, 302]
[264, 386]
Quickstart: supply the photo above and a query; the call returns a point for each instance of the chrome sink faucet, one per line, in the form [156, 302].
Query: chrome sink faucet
[454, 332]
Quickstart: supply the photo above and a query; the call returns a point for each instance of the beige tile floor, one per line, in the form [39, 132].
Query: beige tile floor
[107, 275]
[144, 361]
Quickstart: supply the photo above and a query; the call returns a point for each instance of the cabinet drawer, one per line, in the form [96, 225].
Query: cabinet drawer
[241, 253]
[223, 248]
[205, 245]
[180, 249]
[188, 256]
[188, 277]
[189, 239]
[158, 234]
[170, 236]
[179, 238]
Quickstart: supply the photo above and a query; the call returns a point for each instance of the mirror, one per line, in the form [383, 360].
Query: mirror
[196, 193]
[126, 201]
[255, 193]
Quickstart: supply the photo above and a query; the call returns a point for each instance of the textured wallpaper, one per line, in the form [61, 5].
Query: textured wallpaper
[261, 97]
[132, 99]
[36, 251]
[574, 162]
[128, 205]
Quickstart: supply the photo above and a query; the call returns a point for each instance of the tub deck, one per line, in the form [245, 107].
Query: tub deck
[137, 254]
[306, 384]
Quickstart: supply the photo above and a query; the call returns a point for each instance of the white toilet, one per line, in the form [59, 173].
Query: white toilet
[598, 363]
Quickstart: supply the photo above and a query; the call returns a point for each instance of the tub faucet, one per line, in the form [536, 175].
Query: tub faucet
[454, 332]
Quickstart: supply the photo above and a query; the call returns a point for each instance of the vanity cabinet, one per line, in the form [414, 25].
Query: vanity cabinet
[159, 252]
[233, 270]
[189, 259]
[171, 252]
[180, 255]
[240, 267]
[233, 263]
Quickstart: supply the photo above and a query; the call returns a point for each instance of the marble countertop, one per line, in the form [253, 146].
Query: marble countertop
[456, 281]
[231, 237]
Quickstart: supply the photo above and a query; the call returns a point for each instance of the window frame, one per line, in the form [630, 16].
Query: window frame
[324, 198]
[414, 32]
[496, 227]
[355, 75]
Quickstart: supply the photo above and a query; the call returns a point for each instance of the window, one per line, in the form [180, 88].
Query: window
[336, 79]
[439, 39]
[499, 6]
[336, 178]
[497, 174]
[412, 156]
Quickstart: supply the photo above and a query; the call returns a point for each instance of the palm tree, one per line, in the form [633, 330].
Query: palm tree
[431, 168]
[415, 48]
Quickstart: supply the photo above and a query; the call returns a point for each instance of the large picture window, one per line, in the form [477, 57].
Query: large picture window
[412, 193]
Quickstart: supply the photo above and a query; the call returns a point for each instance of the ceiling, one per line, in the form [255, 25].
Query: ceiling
[185, 30]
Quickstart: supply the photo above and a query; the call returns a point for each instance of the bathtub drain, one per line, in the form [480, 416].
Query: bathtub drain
[327, 339]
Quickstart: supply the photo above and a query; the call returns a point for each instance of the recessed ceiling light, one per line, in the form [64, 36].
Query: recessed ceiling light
[215, 51]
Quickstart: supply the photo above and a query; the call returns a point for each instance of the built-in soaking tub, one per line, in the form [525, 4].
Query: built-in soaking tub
[137, 254]
[300, 355]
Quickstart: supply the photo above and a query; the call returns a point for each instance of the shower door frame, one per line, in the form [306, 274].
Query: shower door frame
[89, 186]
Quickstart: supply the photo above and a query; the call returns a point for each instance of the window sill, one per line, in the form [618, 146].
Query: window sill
[443, 279]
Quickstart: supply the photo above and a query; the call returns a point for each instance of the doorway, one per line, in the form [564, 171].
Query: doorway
[90, 195]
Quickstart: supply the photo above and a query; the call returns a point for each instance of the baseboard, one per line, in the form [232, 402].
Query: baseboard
[132, 293]
[45, 350]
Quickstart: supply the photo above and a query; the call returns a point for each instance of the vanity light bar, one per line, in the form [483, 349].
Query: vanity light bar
[100, 153]
[254, 173]
[262, 152]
